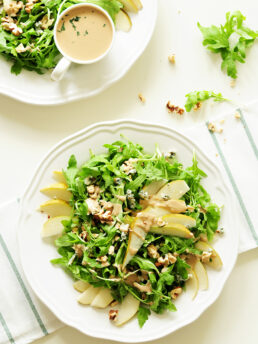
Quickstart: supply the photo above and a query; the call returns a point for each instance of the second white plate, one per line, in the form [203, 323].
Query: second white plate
[84, 81]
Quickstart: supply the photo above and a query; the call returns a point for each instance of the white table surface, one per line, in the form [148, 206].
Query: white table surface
[27, 132]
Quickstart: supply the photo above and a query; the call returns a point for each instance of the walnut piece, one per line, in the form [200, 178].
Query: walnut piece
[29, 5]
[142, 98]
[174, 109]
[176, 292]
[13, 7]
[172, 58]
[153, 251]
[79, 249]
[113, 314]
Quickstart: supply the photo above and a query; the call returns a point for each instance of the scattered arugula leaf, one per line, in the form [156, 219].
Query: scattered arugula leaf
[195, 98]
[218, 40]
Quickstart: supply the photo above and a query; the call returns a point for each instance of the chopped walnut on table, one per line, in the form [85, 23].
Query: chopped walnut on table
[142, 98]
[212, 128]
[176, 292]
[197, 106]
[174, 109]
[172, 58]
[113, 314]
[237, 115]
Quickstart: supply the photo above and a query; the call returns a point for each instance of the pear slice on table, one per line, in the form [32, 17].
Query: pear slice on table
[174, 190]
[81, 286]
[215, 262]
[201, 274]
[127, 310]
[184, 220]
[102, 299]
[88, 295]
[154, 187]
[57, 191]
[53, 226]
[192, 284]
[129, 5]
[123, 21]
[173, 229]
[56, 207]
[59, 177]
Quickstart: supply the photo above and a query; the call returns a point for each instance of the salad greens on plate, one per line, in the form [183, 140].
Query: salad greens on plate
[136, 231]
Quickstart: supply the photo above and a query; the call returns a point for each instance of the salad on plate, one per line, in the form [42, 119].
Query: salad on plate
[133, 229]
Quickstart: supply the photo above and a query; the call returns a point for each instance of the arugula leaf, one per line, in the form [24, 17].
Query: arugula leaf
[143, 263]
[217, 40]
[143, 315]
[195, 98]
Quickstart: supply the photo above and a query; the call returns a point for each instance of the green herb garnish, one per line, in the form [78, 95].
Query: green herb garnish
[195, 98]
[217, 40]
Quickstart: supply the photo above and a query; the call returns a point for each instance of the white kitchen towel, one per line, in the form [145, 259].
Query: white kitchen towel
[23, 318]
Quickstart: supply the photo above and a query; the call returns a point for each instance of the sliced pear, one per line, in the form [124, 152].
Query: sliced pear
[215, 262]
[88, 295]
[123, 21]
[53, 226]
[174, 190]
[59, 177]
[127, 310]
[192, 285]
[81, 286]
[201, 274]
[184, 220]
[129, 5]
[138, 4]
[56, 207]
[154, 187]
[102, 299]
[57, 191]
[173, 229]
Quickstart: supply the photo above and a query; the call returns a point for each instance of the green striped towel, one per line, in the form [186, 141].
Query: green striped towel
[23, 318]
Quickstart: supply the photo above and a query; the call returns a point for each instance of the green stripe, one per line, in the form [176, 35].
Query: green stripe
[248, 133]
[233, 183]
[6, 329]
[24, 289]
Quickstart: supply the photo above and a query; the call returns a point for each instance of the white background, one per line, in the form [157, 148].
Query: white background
[27, 132]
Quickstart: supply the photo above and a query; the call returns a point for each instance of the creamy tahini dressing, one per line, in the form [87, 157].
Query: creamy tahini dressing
[84, 33]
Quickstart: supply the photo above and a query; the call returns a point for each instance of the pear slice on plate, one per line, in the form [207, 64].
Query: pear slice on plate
[174, 190]
[123, 21]
[138, 4]
[53, 226]
[56, 207]
[192, 285]
[102, 299]
[127, 310]
[173, 229]
[154, 187]
[81, 286]
[57, 191]
[215, 262]
[59, 177]
[129, 5]
[184, 220]
[201, 274]
[88, 295]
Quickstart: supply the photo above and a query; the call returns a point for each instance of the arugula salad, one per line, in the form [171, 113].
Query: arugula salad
[134, 229]
[26, 31]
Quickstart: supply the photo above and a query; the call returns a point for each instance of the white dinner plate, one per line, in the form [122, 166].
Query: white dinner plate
[54, 287]
[83, 81]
